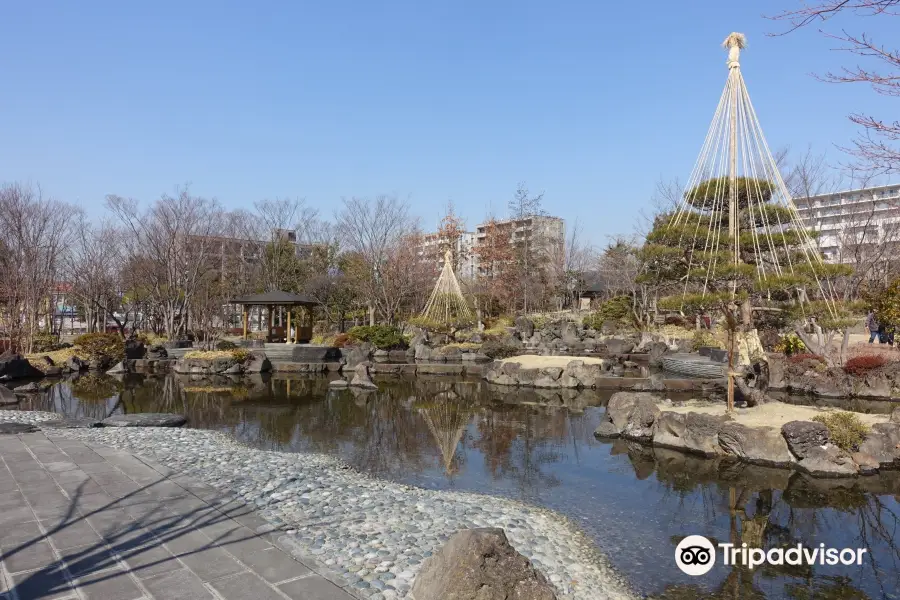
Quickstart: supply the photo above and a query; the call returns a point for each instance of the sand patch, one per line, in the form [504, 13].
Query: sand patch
[773, 414]
[532, 361]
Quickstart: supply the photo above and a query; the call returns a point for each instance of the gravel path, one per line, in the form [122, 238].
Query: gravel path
[373, 532]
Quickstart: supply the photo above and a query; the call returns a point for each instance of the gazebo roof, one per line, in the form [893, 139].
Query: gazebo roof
[276, 297]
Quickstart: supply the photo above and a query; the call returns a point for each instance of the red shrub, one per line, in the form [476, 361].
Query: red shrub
[340, 340]
[799, 358]
[860, 365]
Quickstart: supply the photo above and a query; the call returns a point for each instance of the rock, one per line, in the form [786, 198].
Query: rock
[304, 353]
[15, 366]
[882, 445]
[803, 436]
[73, 423]
[618, 346]
[525, 327]
[633, 414]
[15, 428]
[830, 461]
[28, 388]
[693, 432]
[7, 396]
[145, 420]
[257, 362]
[380, 355]
[52, 371]
[656, 350]
[758, 445]
[75, 364]
[235, 369]
[361, 378]
[353, 355]
[157, 352]
[607, 429]
[119, 367]
[867, 463]
[338, 384]
[895, 415]
[480, 564]
[134, 349]
[587, 375]
[569, 334]
[548, 377]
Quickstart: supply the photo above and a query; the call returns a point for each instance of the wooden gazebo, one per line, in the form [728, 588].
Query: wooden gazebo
[274, 299]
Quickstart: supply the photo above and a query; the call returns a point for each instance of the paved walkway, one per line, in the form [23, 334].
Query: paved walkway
[78, 521]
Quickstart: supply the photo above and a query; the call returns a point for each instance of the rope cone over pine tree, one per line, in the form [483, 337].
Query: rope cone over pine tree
[736, 244]
[447, 305]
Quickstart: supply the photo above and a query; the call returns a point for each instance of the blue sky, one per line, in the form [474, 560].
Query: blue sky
[590, 102]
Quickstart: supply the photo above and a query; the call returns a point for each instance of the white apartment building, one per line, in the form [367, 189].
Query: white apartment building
[853, 219]
[434, 245]
[545, 235]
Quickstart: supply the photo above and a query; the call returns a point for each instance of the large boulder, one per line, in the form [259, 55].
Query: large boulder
[883, 445]
[308, 354]
[480, 564]
[145, 420]
[656, 350]
[525, 327]
[157, 352]
[803, 436]
[134, 349]
[353, 355]
[693, 432]
[7, 396]
[633, 414]
[618, 346]
[15, 366]
[587, 375]
[361, 377]
[829, 461]
[75, 364]
[257, 362]
[759, 445]
[569, 334]
[548, 378]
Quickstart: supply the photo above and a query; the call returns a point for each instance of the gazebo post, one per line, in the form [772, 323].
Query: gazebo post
[245, 316]
[288, 330]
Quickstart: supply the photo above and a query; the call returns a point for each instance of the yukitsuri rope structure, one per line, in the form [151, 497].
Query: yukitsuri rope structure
[447, 304]
[736, 183]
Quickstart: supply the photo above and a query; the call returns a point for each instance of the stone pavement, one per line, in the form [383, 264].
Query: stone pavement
[79, 521]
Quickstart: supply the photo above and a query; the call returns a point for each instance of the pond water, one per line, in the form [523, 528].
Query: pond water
[538, 447]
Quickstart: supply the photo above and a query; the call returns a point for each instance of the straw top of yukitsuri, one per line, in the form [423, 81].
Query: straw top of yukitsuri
[447, 304]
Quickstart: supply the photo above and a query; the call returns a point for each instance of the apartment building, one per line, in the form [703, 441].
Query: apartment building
[544, 235]
[849, 221]
[434, 245]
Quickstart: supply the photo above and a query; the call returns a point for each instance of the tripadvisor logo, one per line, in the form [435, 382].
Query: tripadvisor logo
[696, 555]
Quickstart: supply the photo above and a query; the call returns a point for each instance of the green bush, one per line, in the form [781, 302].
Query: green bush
[226, 345]
[845, 429]
[790, 344]
[102, 345]
[705, 338]
[617, 310]
[383, 337]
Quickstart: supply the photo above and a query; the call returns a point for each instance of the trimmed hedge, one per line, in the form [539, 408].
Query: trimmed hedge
[102, 345]
[383, 337]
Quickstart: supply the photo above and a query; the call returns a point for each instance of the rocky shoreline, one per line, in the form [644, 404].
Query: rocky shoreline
[773, 435]
[373, 533]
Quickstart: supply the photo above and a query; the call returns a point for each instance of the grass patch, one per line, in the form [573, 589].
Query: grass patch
[57, 356]
[238, 354]
[845, 429]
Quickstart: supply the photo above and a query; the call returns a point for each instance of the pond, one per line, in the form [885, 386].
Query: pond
[538, 447]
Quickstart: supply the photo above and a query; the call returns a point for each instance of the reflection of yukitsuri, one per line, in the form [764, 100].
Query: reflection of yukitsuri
[447, 418]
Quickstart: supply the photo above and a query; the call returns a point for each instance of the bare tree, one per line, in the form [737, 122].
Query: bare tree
[578, 259]
[171, 245]
[531, 267]
[282, 224]
[876, 147]
[377, 231]
[34, 234]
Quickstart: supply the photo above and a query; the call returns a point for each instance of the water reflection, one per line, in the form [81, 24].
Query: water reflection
[538, 446]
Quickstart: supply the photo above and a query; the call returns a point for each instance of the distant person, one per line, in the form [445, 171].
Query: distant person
[872, 324]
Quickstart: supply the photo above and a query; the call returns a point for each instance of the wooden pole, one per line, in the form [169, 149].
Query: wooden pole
[287, 335]
[246, 316]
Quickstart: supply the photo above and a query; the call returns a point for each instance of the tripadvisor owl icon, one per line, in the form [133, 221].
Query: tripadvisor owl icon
[695, 555]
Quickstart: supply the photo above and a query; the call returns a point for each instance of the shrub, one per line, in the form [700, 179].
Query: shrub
[805, 356]
[860, 365]
[705, 338]
[383, 337]
[790, 344]
[238, 354]
[340, 340]
[593, 321]
[102, 345]
[44, 342]
[845, 429]
[226, 345]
